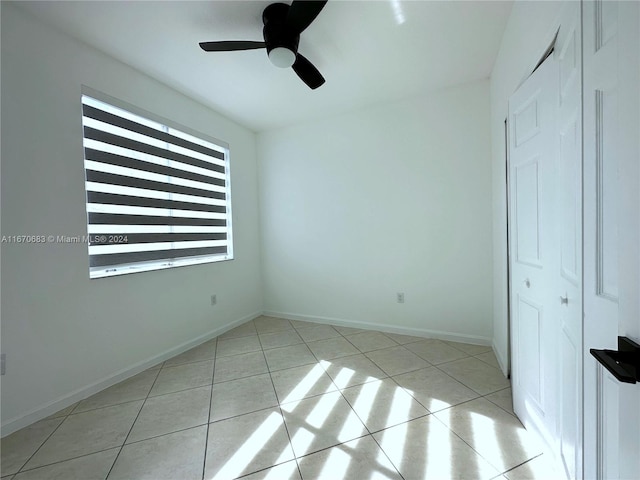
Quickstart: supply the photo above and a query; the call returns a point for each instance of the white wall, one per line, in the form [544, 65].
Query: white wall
[394, 198]
[530, 30]
[61, 331]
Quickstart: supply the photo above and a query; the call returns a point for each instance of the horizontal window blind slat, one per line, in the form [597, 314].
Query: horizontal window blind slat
[114, 179]
[112, 119]
[105, 137]
[115, 199]
[122, 219]
[154, 177]
[139, 192]
[121, 161]
[133, 238]
[132, 257]
[152, 247]
[104, 228]
[152, 212]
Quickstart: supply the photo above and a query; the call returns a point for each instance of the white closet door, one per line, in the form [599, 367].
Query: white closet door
[534, 249]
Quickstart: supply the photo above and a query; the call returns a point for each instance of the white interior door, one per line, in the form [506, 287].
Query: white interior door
[534, 250]
[611, 233]
[568, 53]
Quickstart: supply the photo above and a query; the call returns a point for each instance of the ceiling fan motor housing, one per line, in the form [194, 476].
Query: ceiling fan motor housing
[276, 33]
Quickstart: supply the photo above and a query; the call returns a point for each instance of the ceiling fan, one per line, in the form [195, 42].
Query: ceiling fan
[283, 25]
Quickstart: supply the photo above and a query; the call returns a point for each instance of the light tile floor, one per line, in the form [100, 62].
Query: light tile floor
[280, 399]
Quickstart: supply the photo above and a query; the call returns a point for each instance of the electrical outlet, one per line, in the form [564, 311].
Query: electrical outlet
[400, 297]
[3, 363]
[214, 299]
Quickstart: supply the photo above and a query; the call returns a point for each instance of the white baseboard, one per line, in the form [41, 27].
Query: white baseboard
[44, 411]
[502, 360]
[383, 327]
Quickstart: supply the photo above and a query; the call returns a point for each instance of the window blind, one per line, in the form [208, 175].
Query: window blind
[157, 197]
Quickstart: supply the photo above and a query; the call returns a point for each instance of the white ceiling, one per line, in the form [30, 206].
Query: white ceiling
[368, 51]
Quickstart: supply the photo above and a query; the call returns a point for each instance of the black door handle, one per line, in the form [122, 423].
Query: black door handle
[624, 363]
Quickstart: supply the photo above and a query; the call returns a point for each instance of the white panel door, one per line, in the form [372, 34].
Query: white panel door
[611, 233]
[569, 224]
[534, 249]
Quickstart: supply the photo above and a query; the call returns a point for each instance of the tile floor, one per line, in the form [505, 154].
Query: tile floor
[280, 399]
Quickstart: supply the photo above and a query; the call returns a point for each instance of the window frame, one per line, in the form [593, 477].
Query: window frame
[171, 127]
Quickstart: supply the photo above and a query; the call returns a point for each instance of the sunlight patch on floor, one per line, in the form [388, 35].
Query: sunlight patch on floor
[344, 376]
[246, 453]
[306, 384]
[336, 465]
[400, 407]
[322, 410]
[302, 440]
[484, 432]
[366, 398]
[395, 448]
[435, 405]
[438, 464]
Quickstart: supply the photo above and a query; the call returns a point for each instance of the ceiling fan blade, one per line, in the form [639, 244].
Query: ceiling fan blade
[302, 13]
[307, 72]
[231, 45]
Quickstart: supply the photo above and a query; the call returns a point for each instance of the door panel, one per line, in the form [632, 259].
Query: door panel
[570, 443]
[607, 429]
[569, 55]
[570, 205]
[525, 120]
[611, 231]
[530, 368]
[527, 218]
[606, 109]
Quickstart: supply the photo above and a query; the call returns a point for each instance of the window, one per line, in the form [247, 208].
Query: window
[157, 196]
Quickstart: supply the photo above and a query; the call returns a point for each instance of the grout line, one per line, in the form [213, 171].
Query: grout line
[107, 406]
[244, 335]
[261, 409]
[165, 434]
[64, 418]
[467, 443]
[38, 449]
[75, 407]
[429, 364]
[132, 424]
[243, 378]
[206, 438]
[239, 353]
[471, 446]
[500, 406]
[333, 446]
[189, 362]
[353, 439]
[178, 391]
[385, 453]
[523, 463]
[61, 461]
[167, 367]
[464, 384]
[279, 407]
